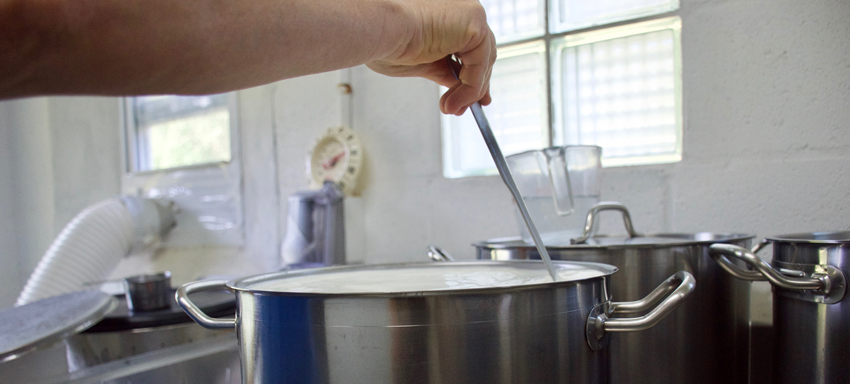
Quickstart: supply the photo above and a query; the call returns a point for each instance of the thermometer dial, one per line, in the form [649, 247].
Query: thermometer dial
[336, 156]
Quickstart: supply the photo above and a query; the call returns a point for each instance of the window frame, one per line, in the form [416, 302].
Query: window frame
[446, 120]
[131, 147]
[554, 135]
[606, 22]
[653, 24]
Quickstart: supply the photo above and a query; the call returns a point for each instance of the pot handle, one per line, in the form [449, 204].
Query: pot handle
[656, 296]
[719, 255]
[829, 282]
[182, 296]
[437, 254]
[758, 247]
[599, 324]
[590, 231]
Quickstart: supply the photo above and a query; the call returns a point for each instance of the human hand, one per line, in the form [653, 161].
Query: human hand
[438, 29]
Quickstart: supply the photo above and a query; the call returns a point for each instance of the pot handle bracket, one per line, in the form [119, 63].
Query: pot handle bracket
[825, 285]
[590, 227]
[679, 286]
[182, 296]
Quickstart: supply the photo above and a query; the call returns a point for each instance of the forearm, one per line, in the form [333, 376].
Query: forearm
[117, 47]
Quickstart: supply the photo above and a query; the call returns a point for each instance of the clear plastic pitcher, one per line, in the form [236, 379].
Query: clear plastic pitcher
[559, 185]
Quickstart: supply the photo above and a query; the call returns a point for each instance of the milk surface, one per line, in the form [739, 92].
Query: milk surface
[418, 279]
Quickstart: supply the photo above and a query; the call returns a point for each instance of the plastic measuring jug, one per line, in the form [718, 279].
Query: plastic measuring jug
[559, 185]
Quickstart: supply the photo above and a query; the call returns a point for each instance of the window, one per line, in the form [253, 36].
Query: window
[178, 131]
[565, 77]
[518, 115]
[185, 149]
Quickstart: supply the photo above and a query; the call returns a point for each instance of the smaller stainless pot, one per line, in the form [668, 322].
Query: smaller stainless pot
[705, 342]
[552, 332]
[811, 318]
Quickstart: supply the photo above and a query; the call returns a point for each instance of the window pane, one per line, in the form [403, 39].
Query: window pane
[518, 114]
[620, 89]
[569, 15]
[179, 131]
[513, 20]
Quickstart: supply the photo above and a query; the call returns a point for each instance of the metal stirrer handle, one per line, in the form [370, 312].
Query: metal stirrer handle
[505, 172]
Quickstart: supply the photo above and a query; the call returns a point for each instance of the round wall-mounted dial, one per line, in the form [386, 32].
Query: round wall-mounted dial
[336, 156]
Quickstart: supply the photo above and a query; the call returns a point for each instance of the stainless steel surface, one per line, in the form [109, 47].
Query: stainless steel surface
[148, 292]
[812, 340]
[705, 341]
[505, 172]
[89, 349]
[525, 334]
[437, 254]
[824, 283]
[197, 363]
[678, 286]
[315, 229]
[590, 222]
[45, 322]
[204, 361]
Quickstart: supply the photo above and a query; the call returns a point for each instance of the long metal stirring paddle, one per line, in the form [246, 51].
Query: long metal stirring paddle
[505, 172]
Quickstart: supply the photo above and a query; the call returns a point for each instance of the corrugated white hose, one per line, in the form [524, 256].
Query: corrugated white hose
[86, 251]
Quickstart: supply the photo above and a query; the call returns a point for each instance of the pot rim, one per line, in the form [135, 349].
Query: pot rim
[244, 284]
[826, 237]
[686, 239]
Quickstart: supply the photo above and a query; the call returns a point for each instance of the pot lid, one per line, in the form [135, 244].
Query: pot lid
[659, 240]
[589, 238]
[42, 323]
[433, 278]
[835, 237]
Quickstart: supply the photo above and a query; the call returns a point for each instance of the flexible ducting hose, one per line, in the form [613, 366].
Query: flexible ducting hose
[86, 251]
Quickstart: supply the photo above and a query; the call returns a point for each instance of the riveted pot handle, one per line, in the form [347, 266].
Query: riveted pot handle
[830, 283]
[182, 296]
[599, 324]
[590, 231]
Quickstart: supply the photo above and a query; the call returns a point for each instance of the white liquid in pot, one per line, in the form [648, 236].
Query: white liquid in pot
[396, 280]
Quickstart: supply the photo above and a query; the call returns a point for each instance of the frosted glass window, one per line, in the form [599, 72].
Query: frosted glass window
[518, 115]
[620, 88]
[569, 15]
[180, 131]
[513, 20]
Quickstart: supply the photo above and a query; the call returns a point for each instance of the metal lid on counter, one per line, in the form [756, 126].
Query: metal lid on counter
[45, 322]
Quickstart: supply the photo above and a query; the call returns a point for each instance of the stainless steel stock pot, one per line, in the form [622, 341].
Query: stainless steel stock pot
[547, 332]
[705, 341]
[811, 317]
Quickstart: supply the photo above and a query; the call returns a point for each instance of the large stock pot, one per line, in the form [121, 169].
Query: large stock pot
[705, 341]
[540, 332]
[811, 318]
